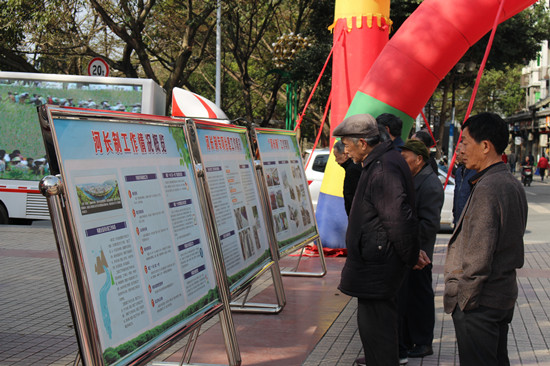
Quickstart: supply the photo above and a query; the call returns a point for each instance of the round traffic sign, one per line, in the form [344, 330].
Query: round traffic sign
[98, 67]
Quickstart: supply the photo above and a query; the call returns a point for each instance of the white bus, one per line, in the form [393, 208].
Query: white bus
[22, 153]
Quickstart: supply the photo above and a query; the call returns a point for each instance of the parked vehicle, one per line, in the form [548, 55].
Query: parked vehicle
[316, 170]
[447, 210]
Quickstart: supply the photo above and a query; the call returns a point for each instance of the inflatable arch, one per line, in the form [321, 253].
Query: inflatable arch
[406, 73]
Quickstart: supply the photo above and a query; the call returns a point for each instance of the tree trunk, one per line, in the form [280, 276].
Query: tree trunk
[443, 114]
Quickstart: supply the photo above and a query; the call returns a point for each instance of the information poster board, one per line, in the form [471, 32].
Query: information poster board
[229, 165]
[292, 211]
[132, 194]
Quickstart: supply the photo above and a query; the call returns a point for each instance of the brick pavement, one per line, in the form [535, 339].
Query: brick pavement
[36, 327]
[528, 339]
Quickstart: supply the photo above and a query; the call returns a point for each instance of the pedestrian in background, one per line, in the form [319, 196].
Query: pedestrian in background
[416, 296]
[351, 178]
[512, 160]
[394, 126]
[486, 247]
[426, 138]
[381, 238]
[542, 166]
[462, 185]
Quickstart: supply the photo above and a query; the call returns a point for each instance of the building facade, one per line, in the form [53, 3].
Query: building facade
[530, 128]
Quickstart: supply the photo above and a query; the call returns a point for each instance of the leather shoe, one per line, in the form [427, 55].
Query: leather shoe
[420, 350]
[360, 361]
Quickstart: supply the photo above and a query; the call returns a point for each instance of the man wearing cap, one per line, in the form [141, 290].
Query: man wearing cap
[416, 297]
[381, 238]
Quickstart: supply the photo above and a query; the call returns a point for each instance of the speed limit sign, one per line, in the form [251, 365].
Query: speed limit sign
[98, 67]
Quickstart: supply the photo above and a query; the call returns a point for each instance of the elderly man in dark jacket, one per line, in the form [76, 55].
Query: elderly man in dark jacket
[416, 298]
[381, 238]
[486, 247]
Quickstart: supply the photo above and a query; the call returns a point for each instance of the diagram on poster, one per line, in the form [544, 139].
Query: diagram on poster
[134, 200]
[287, 188]
[235, 196]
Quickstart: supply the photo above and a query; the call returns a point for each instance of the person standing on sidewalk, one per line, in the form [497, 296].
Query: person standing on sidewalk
[393, 125]
[542, 165]
[416, 297]
[462, 186]
[486, 247]
[353, 172]
[381, 238]
[512, 160]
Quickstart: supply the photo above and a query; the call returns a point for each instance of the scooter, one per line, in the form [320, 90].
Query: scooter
[526, 175]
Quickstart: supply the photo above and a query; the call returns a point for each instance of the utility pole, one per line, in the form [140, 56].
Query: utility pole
[218, 100]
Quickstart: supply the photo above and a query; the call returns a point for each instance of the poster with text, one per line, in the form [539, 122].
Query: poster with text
[145, 250]
[292, 212]
[230, 173]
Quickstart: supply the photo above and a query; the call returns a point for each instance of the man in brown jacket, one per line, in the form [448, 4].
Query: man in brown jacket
[486, 247]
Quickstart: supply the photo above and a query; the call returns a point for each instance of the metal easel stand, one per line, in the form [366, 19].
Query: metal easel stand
[242, 306]
[190, 347]
[51, 187]
[296, 273]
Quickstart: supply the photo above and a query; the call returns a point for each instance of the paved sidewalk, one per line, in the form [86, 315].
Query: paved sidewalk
[36, 326]
[528, 339]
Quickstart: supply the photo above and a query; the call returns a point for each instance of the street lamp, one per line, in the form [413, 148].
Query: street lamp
[284, 51]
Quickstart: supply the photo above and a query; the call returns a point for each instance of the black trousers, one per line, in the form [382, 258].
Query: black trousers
[377, 321]
[482, 336]
[416, 309]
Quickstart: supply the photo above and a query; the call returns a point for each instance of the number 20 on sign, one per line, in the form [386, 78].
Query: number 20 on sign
[98, 67]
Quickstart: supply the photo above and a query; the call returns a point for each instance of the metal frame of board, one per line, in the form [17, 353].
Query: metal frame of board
[256, 134]
[77, 284]
[241, 305]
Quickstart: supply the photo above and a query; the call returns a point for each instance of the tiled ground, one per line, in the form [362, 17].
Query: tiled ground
[36, 328]
[529, 336]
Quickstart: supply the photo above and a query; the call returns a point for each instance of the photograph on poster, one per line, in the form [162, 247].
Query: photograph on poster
[280, 200]
[272, 175]
[98, 194]
[294, 215]
[241, 217]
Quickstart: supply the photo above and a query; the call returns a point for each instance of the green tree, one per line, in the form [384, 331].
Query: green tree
[500, 92]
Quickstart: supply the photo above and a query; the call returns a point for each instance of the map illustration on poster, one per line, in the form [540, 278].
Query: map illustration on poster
[292, 212]
[230, 172]
[133, 197]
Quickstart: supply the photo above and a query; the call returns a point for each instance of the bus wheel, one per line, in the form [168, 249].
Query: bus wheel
[4, 218]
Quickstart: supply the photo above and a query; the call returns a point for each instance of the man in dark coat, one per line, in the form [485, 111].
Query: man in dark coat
[416, 297]
[353, 172]
[381, 238]
[486, 247]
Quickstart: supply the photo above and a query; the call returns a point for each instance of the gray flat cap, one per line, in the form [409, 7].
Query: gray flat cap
[359, 125]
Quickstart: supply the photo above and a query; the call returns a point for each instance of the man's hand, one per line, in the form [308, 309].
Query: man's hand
[423, 260]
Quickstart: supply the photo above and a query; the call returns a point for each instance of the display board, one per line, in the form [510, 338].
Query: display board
[145, 253]
[228, 162]
[292, 212]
